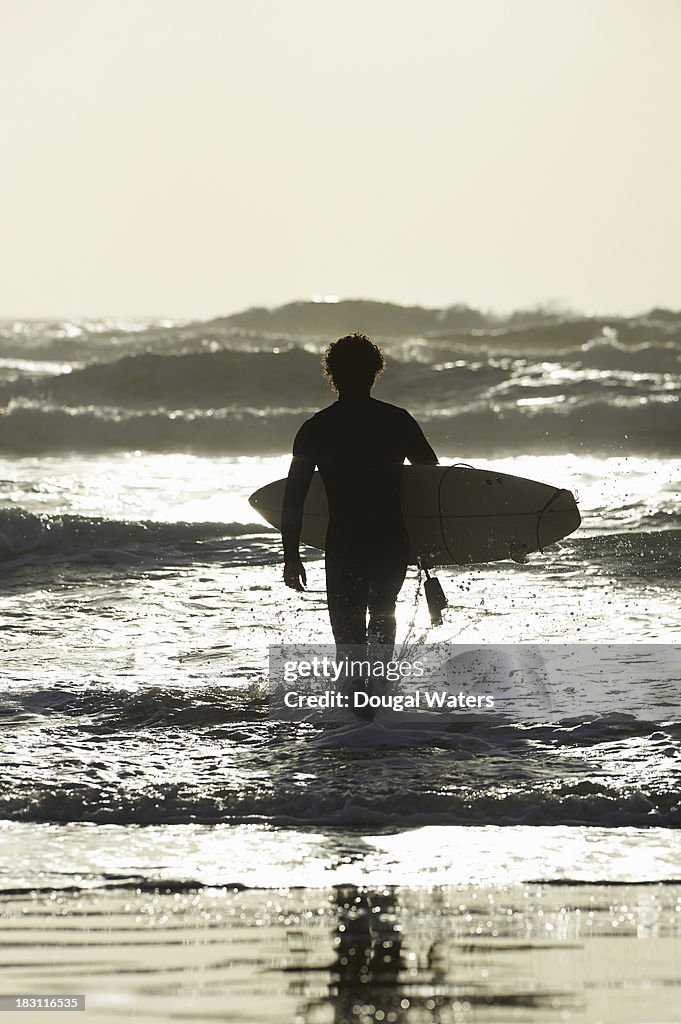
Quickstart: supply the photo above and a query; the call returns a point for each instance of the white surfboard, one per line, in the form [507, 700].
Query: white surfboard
[455, 515]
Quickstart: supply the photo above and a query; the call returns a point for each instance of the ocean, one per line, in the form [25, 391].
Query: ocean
[140, 594]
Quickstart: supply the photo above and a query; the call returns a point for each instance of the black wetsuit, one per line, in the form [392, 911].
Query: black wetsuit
[359, 445]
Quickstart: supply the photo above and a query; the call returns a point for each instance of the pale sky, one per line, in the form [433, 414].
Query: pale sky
[189, 158]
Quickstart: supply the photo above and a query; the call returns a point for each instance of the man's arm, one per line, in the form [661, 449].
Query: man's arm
[297, 485]
[419, 451]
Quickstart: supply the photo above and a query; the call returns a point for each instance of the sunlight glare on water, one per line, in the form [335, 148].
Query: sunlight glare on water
[174, 487]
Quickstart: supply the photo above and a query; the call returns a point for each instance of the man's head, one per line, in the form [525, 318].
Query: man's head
[353, 363]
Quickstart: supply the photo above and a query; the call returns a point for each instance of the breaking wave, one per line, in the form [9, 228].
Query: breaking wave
[243, 384]
[467, 788]
[28, 538]
[631, 425]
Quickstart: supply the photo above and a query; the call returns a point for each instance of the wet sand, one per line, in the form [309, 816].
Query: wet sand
[417, 955]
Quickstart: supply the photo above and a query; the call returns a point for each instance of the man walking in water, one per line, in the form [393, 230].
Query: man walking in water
[359, 446]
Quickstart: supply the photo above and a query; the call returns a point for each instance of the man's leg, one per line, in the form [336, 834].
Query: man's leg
[347, 592]
[385, 585]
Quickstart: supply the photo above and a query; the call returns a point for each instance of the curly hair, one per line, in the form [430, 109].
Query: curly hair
[353, 361]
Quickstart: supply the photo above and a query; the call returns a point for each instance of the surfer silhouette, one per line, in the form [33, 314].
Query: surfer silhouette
[358, 445]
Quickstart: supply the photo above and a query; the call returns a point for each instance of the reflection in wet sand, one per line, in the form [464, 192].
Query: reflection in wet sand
[351, 955]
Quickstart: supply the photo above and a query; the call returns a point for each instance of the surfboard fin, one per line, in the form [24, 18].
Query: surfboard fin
[518, 553]
[435, 596]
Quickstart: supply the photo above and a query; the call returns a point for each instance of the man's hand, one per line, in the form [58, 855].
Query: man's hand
[294, 575]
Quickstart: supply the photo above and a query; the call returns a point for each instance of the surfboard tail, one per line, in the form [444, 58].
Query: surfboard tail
[558, 519]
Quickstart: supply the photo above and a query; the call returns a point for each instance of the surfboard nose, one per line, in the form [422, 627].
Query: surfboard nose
[559, 518]
[255, 500]
[267, 502]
